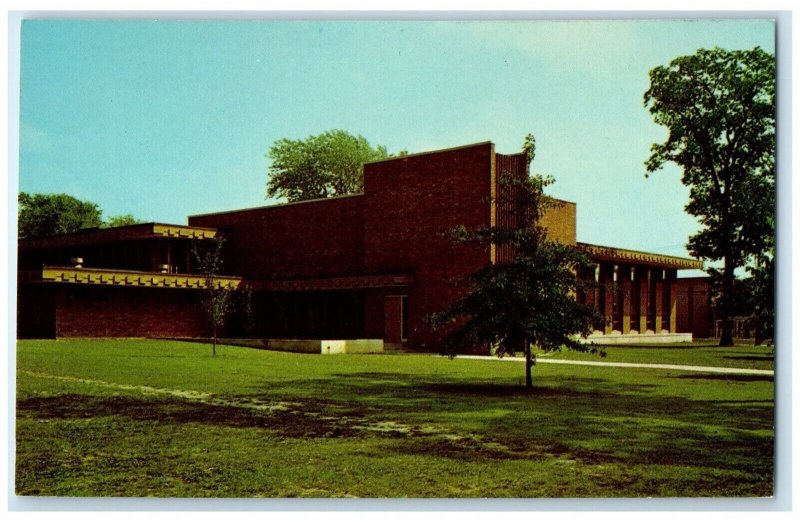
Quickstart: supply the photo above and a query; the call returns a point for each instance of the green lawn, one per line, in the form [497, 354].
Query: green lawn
[696, 353]
[158, 418]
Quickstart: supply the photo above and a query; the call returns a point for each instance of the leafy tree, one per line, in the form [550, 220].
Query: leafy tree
[762, 277]
[121, 221]
[761, 285]
[529, 300]
[328, 164]
[216, 301]
[719, 109]
[49, 214]
[247, 316]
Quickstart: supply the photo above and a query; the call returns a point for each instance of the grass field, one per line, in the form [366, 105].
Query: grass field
[158, 418]
[697, 353]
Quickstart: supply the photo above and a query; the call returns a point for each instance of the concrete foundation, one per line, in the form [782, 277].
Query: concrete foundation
[350, 346]
[353, 346]
[637, 338]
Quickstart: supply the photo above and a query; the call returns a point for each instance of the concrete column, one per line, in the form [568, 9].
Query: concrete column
[607, 280]
[625, 281]
[594, 295]
[659, 288]
[643, 274]
[672, 275]
[690, 309]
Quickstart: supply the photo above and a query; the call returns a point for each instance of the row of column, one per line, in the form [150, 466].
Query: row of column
[634, 298]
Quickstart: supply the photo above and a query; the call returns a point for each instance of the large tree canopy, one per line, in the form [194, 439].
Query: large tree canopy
[328, 164]
[121, 221]
[48, 214]
[719, 109]
[530, 299]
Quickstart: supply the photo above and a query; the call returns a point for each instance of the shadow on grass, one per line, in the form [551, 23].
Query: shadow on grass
[753, 358]
[670, 346]
[291, 423]
[589, 420]
[411, 386]
[725, 377]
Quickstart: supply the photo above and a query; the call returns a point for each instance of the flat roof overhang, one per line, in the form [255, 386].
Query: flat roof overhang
[92, 236]
[126, 278]
[356, 282]
[635, 257]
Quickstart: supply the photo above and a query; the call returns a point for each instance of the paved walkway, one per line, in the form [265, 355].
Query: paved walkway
[679, 367]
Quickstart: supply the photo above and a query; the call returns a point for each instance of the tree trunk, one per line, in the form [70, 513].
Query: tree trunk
[726, 335]
[760, 333]
[214, 346]
[528, 364]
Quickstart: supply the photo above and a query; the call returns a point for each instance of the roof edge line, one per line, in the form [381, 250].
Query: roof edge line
[437, 151]
[679, 258]
[276, 205]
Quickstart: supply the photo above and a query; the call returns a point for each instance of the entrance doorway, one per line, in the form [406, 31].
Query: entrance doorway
[395, 328]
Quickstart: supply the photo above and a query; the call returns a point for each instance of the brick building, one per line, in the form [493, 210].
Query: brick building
[132, 281]
[372, 265]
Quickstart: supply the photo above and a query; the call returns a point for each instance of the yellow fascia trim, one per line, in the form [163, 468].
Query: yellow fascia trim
[187, 232]
[139, 279]
[634, 256]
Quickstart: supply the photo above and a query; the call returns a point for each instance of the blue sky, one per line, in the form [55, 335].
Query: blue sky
[167, 119]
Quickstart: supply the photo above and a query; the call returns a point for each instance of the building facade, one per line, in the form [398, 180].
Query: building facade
[695, 312]
[371, 265]
[133, 281]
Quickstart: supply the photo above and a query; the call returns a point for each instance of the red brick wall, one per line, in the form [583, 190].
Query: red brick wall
[310, 239]
[392, 319]
[411, 204]
[126, 312]
[400, 224]
[374, 313]
[693, 306]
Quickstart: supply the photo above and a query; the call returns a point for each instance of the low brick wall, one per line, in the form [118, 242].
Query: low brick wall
[83, 311]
